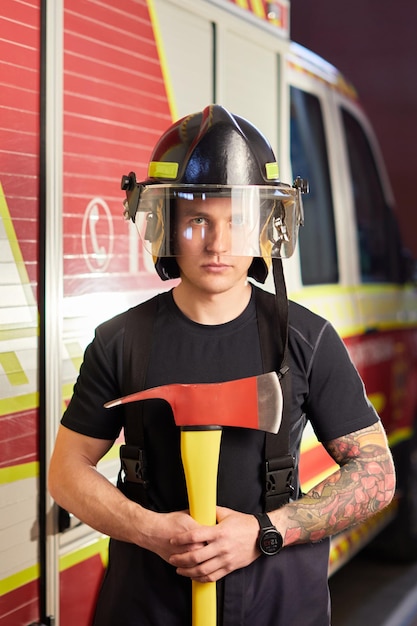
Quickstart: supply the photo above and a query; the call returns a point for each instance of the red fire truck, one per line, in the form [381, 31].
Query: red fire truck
[87, 86]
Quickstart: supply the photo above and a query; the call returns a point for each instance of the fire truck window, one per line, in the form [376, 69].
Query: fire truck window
[317, 238]
[377, 230]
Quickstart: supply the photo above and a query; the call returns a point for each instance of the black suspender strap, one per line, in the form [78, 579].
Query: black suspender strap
[272, 312]
[137, 345]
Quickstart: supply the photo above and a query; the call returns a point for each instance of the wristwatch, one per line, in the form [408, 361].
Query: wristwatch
[270, 540]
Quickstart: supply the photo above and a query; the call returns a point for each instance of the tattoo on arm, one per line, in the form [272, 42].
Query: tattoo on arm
[362, 486]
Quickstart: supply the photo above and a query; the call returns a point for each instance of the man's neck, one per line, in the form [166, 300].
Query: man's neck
[212, 308]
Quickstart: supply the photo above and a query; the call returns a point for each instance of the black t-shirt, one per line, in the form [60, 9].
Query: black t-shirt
[326, 389]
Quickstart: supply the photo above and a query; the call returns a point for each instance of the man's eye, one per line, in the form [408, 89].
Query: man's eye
[199, 221]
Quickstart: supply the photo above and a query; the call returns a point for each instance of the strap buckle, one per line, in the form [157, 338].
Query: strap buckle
[279, 475]
[133, 464]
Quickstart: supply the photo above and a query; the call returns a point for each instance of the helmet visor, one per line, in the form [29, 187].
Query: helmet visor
[255, 221]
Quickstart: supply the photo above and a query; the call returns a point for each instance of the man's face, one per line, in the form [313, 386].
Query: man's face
[209, 236]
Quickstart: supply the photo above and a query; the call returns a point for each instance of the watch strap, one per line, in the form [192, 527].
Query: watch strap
[264, 521]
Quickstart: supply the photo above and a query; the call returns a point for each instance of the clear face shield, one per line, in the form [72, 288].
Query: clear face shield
[254, 221]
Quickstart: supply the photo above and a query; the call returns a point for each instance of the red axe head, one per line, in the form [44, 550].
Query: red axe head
[254, 402]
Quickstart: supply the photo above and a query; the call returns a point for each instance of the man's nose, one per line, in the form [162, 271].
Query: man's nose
[218, 237]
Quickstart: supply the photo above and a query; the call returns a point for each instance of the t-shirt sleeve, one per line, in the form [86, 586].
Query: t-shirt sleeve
[98, 382]
[337, 402]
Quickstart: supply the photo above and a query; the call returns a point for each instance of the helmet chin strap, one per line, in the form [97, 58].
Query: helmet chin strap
[281, 307]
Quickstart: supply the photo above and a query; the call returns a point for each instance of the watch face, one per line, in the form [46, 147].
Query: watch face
[270, 542]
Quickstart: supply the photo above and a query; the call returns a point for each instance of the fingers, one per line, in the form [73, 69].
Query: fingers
[200, 555]
[203, 564]
[167, 525]
[216, 550]
[201, 535]
[207, 553]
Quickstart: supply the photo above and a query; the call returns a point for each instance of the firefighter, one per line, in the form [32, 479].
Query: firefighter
[215, 215]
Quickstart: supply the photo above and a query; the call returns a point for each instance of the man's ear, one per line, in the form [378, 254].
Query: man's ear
[258, 270]
[167, 268]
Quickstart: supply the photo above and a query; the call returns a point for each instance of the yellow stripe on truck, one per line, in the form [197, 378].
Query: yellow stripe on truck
[13, 369]
[19, 472]
[30, 574]
[26, 576]
[163, 60]
[99, 546]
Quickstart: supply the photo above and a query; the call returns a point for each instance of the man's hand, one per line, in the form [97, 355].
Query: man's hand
[207, 553]
[158, 529]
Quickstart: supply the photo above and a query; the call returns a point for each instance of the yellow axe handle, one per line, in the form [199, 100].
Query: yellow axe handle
[200, 457]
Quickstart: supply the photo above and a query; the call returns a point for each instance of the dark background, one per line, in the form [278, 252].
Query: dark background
[374, 44]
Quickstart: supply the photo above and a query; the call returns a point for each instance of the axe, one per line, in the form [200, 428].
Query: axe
[201, 410]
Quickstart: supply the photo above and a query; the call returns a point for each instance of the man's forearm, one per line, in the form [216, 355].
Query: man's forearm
[95, 501]
[363, 485]
[76, 485]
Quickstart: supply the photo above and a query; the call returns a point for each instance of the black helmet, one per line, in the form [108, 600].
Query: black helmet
[215, 153]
